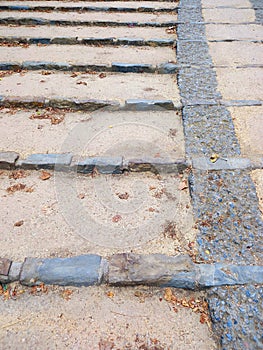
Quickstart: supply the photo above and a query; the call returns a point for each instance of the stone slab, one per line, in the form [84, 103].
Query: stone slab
[46, 161]
[121, 4]
[229, 15]
[240, 84]
[100, 133]
[225, 3]
[248, 123]
[113, 87]
[102, 17]
[234, 32]
[145, 213]
[8, 159]
[80, 54]
[85, 32]
[83, 270]
[236, 53]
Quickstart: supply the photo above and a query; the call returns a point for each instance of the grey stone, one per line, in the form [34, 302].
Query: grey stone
[132, 68]
[65, 41]
[83, 270]
[204, 163]
[56, 161]
[167, 68]
[104, 165]
[43, 41]
[8, 160]
[155, 269]
[27, 102]
[161, 42]
[156, 165]
[14, 272]
[221, 274]
[146, 105]
[9, 66]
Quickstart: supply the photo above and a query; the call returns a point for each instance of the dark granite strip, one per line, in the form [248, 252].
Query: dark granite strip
[258, 7]
[225, 203]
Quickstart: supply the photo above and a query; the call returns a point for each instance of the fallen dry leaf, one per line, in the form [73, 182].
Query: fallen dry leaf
[102, 75]
[15, 188]
[123, 195]
[66, 294]
[110, 294]
[116, 218]
[81, 83]
[45, 175]
[17, 174]
[81, 196]
[19, 223]
[183, 185]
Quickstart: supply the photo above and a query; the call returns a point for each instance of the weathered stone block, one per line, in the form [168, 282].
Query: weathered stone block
[46, 161]
[8, 160]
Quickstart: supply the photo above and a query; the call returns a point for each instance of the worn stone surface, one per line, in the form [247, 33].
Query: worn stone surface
[8, 160]
[104, 165]
[248, 123]
[83, 270]
[150, 269]
[144, 105]
[46, 161]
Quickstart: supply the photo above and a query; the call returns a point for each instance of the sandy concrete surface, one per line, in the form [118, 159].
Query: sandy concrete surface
[131, 4]
[142, 213]
[228, 15]
[234, 32]
[238, 53]
[240, 84]
[85, 32]
[129, 134]
[94, 16]
[248, 123]
[77, 54]
[113, 86]
[102, 318]
[226, 3]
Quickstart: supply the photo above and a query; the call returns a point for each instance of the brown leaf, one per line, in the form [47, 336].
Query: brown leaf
[15, 188]
[123, 195]
[168, 294]
[102, 75]
[66, 294]
[183, 185]
[110, 294]
[17, 174]
[44, 72]
[57, 119]
[45, 175]
[81, 83]
[19, 223]
[81, 196]
[116, 218]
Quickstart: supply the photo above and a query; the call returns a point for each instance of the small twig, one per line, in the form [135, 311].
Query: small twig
[121, 314]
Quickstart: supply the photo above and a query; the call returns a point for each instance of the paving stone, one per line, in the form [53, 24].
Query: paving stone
[229, 15]
[240, 84]
[8, 160]
[238, 53]
[104, 165]
[113, 88]
[43, 18]
[46, 161]
[253, 32]
[144, 105]
[83, 270]
[248, 123]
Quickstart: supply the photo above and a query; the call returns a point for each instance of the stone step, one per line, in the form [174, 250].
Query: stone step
[88, 19]
[77, 57]
[120, 6]
[129, 134]
[89, 91]
[111, 214]
[87, 35]
[114, 33]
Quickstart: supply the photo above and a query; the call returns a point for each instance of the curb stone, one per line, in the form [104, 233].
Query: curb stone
[128, 269]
